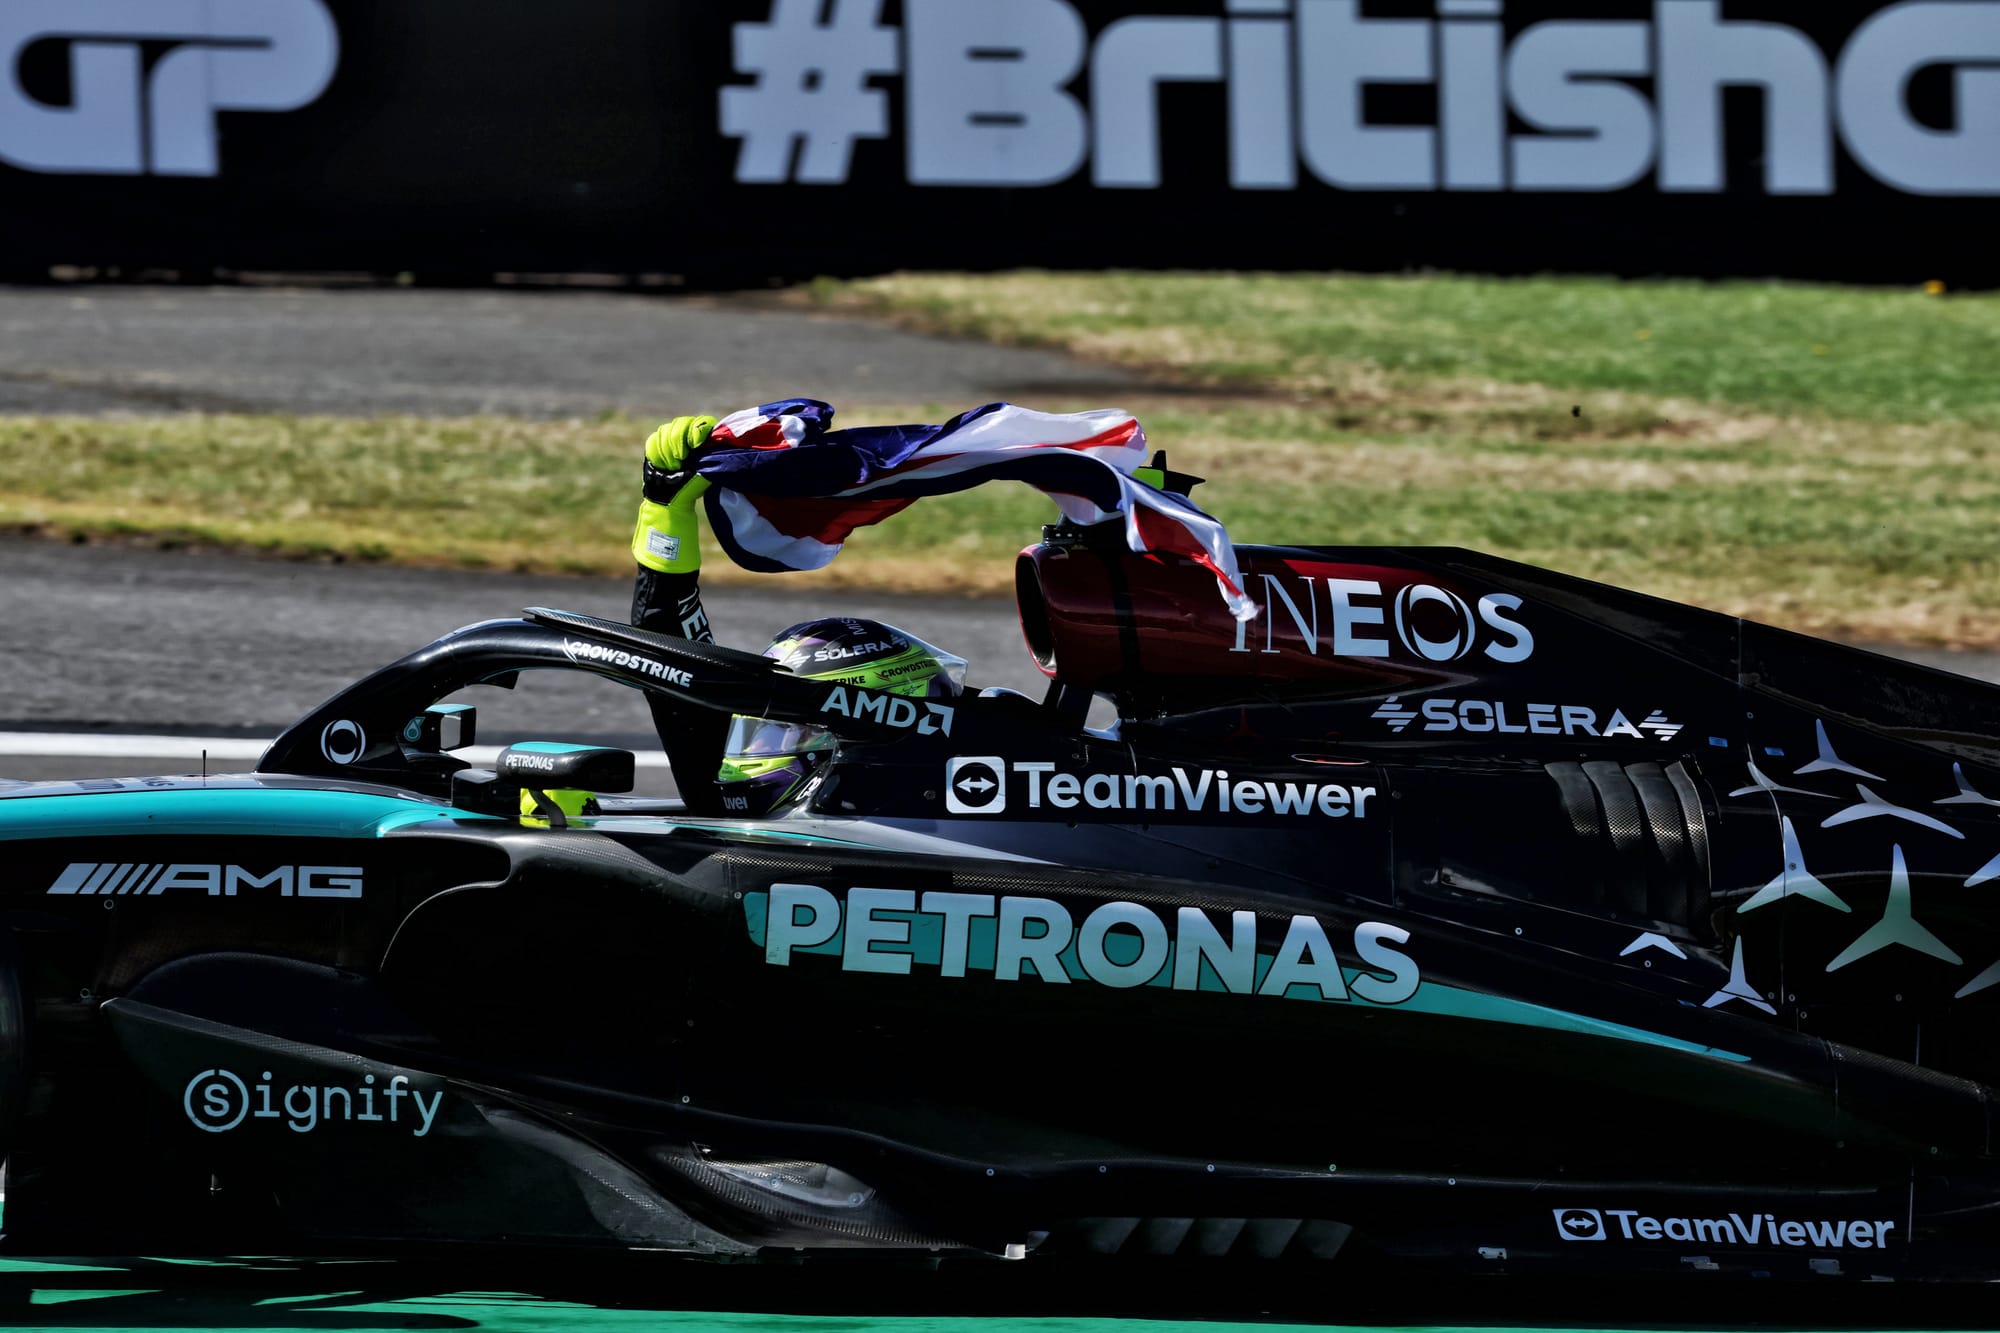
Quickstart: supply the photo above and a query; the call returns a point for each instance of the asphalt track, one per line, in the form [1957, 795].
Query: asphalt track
[110, 640]
[453, 353]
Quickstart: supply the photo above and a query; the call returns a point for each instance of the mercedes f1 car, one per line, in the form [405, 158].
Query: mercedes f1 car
[1450, 908]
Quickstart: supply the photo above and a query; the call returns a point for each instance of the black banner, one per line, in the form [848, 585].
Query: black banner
[742, 139]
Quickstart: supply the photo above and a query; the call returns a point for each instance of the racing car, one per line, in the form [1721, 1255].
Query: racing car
[1449, 908]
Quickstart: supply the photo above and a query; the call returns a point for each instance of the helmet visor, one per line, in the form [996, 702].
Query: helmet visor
[762, 738]
[951, 668]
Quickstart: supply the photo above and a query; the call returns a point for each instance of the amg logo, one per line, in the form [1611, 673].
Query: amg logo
[217, 881]
[891, 710]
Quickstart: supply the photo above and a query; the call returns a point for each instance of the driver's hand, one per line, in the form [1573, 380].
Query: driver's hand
[670, 447]
[668, 535]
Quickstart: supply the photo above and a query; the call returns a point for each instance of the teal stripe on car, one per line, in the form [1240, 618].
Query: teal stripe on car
[241, 811]
[1452, 1002]
[925, 946]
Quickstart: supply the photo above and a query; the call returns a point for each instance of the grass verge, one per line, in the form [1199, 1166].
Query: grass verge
[477, 493]
[1849, 485]
[1870, 354]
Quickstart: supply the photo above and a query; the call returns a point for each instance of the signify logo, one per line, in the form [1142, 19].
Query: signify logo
[978, 785]
[1747, 1230]
[219, 1100]
[581, 652]
[217, 880]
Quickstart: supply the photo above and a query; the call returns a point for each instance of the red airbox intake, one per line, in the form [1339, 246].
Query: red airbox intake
[1104, 619]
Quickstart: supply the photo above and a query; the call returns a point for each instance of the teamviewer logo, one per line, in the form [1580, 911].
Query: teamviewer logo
[976, 785]
[1579, 1224]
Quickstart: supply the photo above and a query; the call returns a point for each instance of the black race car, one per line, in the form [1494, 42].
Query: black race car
[1451, 908]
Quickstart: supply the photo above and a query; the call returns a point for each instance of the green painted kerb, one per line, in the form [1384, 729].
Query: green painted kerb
[235, 811]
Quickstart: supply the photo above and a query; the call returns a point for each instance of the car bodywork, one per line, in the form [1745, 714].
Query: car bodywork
[1452, 907]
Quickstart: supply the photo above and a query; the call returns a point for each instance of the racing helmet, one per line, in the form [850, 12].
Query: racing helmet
[768, 765]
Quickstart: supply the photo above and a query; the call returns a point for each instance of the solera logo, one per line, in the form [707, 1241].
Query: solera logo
[128, 117]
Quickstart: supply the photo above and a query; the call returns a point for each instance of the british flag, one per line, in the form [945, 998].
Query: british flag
[787, 489]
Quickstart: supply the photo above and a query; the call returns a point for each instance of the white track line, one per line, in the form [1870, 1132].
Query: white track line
[97, 745]
[187, 749]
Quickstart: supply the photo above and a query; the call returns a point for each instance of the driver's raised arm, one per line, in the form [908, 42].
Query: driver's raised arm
[666, 599]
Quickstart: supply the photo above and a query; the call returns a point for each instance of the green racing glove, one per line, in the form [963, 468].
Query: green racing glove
[668, 535]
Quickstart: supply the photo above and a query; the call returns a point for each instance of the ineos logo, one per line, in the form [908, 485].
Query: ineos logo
[126, 117]
[1360, 618]
[343, 741]
[1463, 628]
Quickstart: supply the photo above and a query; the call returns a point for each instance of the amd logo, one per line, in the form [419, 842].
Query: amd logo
[127, 115]
[891, 710]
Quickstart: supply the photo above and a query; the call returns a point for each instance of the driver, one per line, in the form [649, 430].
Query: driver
[746, 765]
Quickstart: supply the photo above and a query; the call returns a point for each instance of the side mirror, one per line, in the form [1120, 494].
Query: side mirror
[442, 727]
[537, 767]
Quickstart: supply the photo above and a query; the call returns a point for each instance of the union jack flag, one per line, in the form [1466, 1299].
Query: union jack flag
[787, 490]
